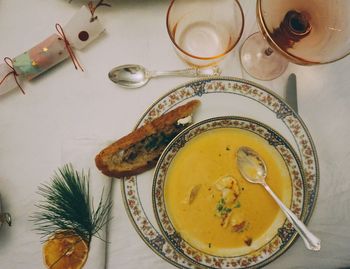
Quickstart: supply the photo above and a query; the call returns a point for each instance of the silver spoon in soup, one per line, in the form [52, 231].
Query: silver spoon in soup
[252, 167]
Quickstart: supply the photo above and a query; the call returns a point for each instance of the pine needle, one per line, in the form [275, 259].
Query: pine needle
[67, 206]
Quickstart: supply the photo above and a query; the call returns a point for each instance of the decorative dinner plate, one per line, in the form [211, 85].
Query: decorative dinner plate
[173, 194]
[224, 96]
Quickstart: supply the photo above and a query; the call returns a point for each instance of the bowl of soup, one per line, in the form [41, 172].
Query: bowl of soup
[205, 208]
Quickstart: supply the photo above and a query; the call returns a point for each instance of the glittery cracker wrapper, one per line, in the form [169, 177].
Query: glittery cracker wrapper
[80, 31]
[40, 58]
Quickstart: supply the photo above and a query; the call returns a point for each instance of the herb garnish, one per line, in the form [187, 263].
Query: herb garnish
[237, 204]
[222, 209]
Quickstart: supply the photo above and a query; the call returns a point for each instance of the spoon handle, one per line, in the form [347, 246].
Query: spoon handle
[310, 240]
[189, 72]
[5, 217]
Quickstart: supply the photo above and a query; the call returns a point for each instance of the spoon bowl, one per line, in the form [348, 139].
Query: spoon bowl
[252, 167]
[129, 75]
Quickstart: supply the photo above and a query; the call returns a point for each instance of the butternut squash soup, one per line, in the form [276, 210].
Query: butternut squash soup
[212, 206]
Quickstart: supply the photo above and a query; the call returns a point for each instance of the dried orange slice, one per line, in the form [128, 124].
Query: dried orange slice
[65, 250]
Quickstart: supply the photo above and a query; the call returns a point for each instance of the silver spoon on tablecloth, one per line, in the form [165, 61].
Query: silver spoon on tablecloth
[135, 76]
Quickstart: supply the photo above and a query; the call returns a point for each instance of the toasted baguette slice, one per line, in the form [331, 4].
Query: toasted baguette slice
[141, 149]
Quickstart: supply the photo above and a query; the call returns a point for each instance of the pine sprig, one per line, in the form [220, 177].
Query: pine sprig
[67, 206]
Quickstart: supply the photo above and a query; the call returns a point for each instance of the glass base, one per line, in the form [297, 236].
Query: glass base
[259, 60]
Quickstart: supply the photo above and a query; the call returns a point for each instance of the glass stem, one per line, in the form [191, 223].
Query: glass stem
[268, 51]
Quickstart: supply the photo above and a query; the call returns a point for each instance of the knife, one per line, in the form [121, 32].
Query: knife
[291, 94]
[4, 217]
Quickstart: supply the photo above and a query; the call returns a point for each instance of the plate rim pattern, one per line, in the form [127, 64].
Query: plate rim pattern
[264, 253]
[196, 89]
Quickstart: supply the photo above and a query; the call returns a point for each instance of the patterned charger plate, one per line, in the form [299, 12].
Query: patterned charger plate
[275, 239]
[224, 96]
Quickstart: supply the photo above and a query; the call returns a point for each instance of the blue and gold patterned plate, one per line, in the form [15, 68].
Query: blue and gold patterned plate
[278, 235]
[224, 96]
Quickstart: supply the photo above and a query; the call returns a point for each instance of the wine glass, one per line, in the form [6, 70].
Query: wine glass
[203, 32]
[303, 32]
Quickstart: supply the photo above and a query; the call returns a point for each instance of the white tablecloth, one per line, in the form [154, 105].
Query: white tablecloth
[64, 105]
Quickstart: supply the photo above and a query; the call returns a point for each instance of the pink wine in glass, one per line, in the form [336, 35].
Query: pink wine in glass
[304, 32]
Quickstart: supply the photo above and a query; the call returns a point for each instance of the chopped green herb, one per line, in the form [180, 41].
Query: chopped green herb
[222, 209]
[227, 210]
[237, 205]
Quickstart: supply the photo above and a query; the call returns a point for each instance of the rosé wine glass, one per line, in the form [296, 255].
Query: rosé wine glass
[303, 32]
[203, 32]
